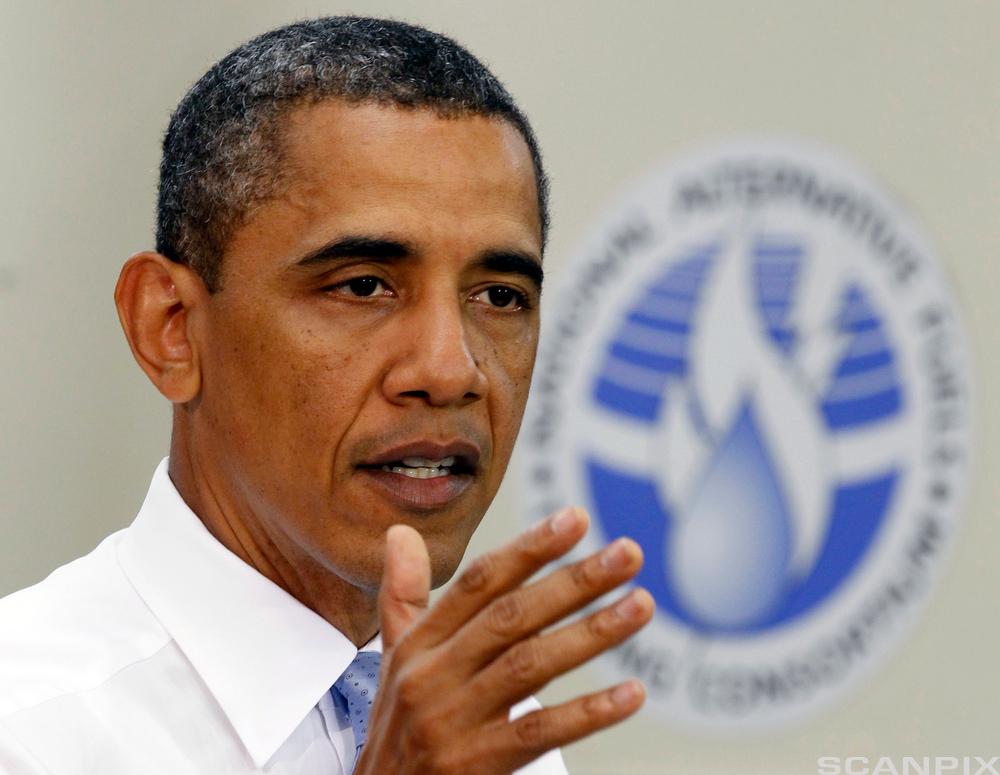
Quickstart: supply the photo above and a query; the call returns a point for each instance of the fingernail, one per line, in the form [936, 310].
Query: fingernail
[626, 693]
[630, 607]
[616, 556]
[564, 521]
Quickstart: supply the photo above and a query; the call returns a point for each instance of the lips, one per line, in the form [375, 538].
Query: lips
[466, 454]
[422, 475]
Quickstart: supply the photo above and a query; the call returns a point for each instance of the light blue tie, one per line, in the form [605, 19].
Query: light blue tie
[358, 685]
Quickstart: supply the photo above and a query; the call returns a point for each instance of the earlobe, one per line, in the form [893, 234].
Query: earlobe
[155, 298]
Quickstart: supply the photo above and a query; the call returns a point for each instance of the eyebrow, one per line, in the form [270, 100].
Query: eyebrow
[513, 262]
[502, 261]
[357, 247]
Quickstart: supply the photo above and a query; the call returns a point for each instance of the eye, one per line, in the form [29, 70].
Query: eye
[503, 297]
[362, 287]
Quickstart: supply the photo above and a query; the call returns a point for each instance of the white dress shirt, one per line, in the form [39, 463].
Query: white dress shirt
[163, 652]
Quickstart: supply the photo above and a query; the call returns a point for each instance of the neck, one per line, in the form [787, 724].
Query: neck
[207, 492]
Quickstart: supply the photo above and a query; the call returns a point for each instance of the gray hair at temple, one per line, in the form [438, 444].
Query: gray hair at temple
[223, 149]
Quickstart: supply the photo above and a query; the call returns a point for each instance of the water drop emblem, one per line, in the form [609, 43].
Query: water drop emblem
[733, 541]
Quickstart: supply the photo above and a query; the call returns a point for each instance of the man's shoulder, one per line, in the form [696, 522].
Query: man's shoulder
[72, 631]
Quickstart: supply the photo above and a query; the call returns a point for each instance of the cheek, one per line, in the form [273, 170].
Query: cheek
[516, 355]
[322, 393]
[286, 390]
[511, 363]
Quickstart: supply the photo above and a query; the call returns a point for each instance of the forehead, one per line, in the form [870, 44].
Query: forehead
[342, 151]
[315, 128]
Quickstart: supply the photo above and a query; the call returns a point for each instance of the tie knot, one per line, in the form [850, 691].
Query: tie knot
[357, 686]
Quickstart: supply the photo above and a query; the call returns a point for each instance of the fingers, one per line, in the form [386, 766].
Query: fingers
[529, 664]
[523, 612]
[525, 739]
[500, 571]
[406, 583]
[459, 666]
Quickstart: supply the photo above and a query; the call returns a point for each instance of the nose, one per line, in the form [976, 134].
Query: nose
[436, 363]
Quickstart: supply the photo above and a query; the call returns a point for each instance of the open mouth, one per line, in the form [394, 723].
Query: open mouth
[425, 468]
[426, 460]
[421, 467]
[425, 474]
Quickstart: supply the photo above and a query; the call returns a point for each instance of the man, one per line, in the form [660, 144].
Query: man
[343, 311]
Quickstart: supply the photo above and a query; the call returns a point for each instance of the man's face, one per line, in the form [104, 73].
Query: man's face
[367, 360]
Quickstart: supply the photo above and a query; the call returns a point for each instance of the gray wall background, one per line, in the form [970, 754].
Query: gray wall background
[909, 89]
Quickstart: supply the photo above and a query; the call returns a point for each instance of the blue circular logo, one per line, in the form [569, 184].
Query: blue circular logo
[755, 369]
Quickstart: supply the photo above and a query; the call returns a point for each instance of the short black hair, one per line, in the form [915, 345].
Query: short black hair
[222, 152]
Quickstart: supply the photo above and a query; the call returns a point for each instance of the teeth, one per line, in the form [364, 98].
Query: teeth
[418, 472]
[422, 462]
[421, 467]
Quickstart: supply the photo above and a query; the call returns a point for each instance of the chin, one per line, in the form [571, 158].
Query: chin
[444, 563]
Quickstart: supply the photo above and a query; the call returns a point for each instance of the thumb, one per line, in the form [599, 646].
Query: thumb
[406, 583]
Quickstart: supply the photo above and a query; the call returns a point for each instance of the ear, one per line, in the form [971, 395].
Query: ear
[155, 298]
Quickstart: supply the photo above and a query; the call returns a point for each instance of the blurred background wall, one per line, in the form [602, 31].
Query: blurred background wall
[909, 90]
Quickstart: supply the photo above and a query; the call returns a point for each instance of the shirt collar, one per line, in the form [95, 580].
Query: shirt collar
[265, 657]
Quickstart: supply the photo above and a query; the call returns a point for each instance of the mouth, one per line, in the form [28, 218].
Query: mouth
[423, 475]
[424, 468]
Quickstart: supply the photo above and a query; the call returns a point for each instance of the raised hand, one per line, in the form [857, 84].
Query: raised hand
[451, 673]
